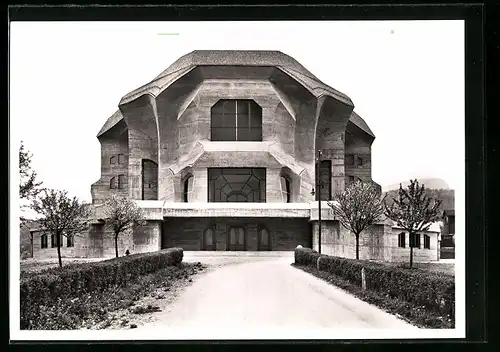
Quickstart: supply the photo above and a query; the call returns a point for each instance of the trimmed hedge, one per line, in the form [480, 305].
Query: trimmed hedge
[73, 281]
[433, 291]
[307, 257]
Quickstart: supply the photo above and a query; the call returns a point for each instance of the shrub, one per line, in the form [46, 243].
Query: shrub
[432, 291]
[306, 256]
[74, 281]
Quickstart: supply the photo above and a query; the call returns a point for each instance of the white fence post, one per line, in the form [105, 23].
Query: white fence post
[363, 279]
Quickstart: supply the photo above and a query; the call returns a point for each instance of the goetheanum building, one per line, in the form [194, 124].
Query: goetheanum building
[220, 151]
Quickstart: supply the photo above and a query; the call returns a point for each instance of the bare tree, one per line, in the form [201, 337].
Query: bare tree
[413, 211]
[121, 214]
[357, 208]
[61, 215]
[28, 186]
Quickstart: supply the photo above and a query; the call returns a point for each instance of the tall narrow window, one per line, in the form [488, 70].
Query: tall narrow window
[427, 242]
[112, 160]
[359, 161]
[415, 240]
[121, 159]
[325, 176]
[53, 240]
[401, 240]
[349, 159]
[149, 180]
[112, 183]
[188, 187]
[70, 241]
[44, 240]
[122, 182]
[285, 189]
[236, 120]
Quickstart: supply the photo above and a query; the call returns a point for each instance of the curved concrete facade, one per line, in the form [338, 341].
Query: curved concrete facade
[167, 123]
[157, 149]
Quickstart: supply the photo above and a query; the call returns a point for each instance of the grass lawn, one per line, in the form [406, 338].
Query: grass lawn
[446, 268]
[33, 266]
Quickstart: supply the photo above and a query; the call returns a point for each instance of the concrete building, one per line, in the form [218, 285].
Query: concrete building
[219, 152]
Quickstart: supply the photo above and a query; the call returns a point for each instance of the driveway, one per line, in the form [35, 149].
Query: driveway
[266, 293]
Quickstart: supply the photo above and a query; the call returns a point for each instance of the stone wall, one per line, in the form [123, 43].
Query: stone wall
[285, 234]
[114, 143]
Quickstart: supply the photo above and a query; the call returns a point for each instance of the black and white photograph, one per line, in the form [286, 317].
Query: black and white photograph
[237, 180]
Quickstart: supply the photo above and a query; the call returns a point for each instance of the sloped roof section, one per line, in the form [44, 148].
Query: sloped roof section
[281, 61]
[236, 58]
[260, 58]
[358, 121]
[112, 120]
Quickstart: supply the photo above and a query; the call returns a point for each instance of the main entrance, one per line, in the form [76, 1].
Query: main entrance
[235, 233]
[236, 238]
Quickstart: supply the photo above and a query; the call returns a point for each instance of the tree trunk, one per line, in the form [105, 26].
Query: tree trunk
[412, 242]
[58, 242]
[357, 247]
[116, 244]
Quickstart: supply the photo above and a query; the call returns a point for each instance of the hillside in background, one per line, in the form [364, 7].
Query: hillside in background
[431, 183]
[447, 197]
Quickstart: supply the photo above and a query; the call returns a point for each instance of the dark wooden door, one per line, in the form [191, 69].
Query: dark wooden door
[208, 241]
[236, 239]
[264, 240]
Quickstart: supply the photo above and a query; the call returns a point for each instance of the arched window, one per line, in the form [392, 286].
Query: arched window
[44, 240]
[188, 187]
[236, 120]
[122, 182]
[285, 189]
[401, 240]
[149, 180]
[112, 183]
[264, 240]
[112, 160]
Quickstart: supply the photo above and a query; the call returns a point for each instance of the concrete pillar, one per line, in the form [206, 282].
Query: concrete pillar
[199, 191]
[273, 188]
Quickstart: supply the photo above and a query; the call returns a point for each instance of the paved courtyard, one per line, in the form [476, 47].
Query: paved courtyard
[249, 291]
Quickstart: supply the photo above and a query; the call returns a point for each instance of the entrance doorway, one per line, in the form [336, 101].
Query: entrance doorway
[208, 241]
[263, 243]
[236, 239]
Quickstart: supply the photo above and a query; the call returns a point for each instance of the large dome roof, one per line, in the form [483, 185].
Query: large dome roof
[260, 58]
[236, 58]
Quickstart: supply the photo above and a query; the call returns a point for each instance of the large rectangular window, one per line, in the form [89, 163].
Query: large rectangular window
[236, 120]
[237, 185]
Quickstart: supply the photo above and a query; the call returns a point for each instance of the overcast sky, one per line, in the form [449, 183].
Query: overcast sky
[406, 79]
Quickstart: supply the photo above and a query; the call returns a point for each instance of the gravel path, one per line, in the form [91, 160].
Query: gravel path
[265, 293]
